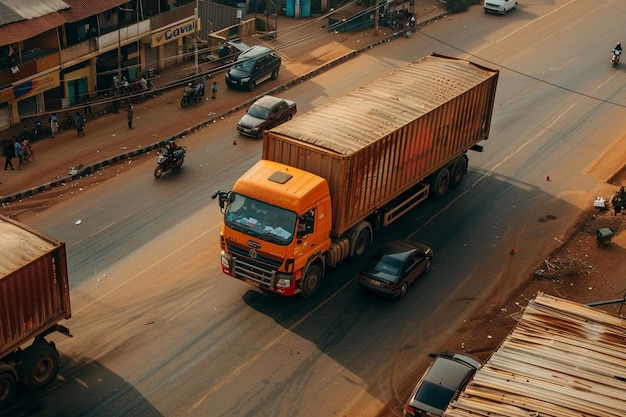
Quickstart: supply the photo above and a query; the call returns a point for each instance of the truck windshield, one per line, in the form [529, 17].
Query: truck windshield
[259, 219]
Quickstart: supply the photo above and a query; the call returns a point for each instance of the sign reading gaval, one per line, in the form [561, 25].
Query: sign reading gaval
[174, 32]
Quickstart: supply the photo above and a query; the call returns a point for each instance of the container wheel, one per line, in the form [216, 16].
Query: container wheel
[40, 365]
[7, 389]
[441, 183]
[311, 281]
[458, 171]
[361, 244]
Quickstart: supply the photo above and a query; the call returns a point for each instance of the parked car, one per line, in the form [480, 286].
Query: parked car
[499, 6]
[265, 113]
[252, 67]
[395, 266]
[228, 52]
[446, 376]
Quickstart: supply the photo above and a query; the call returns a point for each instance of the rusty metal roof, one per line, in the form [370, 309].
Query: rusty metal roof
[561, 359]
[17, 10]
[34, 17]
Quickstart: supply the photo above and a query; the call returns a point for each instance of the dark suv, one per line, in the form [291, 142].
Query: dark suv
[252, 67]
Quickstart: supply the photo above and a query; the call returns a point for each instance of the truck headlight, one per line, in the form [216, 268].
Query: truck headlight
[285, 283]
[225, 262]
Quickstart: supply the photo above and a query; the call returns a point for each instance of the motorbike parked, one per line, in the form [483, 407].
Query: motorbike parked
[615, 57]
[170, 158]
[193, 93]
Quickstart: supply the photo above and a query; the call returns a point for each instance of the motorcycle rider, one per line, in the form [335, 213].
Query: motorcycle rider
[189, 90]
[617, 51]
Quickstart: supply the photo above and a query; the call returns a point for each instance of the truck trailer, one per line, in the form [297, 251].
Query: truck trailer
[34, 298]
[332, 176]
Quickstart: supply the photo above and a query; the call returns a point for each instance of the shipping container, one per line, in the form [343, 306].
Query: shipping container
[378, 141]
[34, 298]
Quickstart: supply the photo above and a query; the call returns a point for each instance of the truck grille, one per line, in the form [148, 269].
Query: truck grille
[244, 269]
[261, 269]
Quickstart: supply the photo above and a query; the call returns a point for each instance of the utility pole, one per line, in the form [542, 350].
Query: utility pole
[195, 38]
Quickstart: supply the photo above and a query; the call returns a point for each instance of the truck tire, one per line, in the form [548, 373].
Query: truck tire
[275, 74]
[40, 365]
[361, 244]
[311, 281]
[440, 184]
[458, 171]
[8, 385]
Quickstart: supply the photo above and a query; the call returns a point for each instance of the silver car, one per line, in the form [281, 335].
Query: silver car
[446, 376]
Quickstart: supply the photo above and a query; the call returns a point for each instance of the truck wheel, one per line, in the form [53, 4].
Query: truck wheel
[311, 281]
[441, 183]
[251, 85]
[7, 389]
[40, 365]
[458, 171]
[275, 74]
[361, 244]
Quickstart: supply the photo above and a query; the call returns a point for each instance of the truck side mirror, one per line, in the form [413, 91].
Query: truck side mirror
[224, 198]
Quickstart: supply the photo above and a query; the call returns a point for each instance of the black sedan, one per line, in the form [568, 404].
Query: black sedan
[395, 266]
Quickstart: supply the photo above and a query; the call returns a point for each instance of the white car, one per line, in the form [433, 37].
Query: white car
[499, 6]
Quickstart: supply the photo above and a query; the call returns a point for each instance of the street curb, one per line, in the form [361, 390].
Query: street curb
[89, 169]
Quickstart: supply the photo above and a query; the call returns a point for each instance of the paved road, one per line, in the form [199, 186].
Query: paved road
[306, 47]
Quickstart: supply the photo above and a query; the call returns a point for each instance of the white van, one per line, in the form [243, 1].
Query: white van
[499, 6]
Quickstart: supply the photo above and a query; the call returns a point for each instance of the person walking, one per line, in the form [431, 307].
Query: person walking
[214, 89]
[87, 104]
[8, 154]
[80, 125]
[130, 116]
[17, 151]
[27, 150]
[54, 124]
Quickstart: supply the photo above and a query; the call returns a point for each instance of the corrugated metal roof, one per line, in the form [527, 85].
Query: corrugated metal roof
[562, 359]
[12, 30]
[80, 9]
[29, 9]
[381, 107]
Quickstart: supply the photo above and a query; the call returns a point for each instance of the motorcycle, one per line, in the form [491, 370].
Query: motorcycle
[193, 94]
[615, 57]
[169, 160]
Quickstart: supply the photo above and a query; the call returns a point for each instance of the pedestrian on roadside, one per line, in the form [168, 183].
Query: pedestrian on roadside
[54, 124]
[27, 150]
[8, 154]
[130, 116]
[87, 104]
[17, 151]
[214, 89]
[80, 125]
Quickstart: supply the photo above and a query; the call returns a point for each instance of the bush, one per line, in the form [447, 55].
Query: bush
[459, 6]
